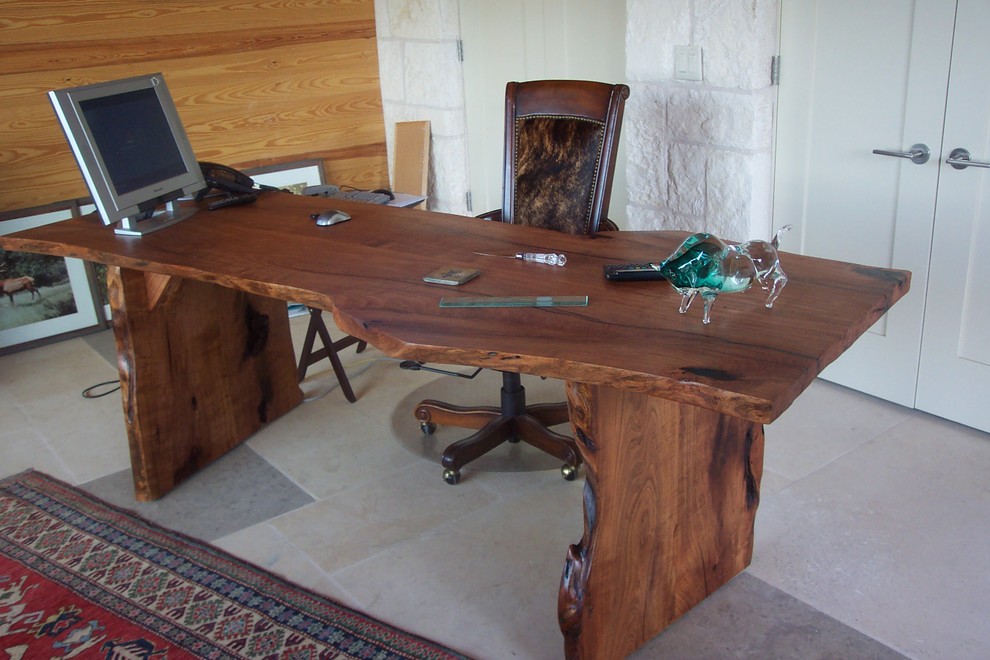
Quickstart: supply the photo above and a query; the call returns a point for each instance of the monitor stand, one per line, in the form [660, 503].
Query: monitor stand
[171, 214]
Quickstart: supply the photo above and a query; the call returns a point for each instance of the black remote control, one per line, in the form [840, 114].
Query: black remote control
[631, 272]
[232, 200]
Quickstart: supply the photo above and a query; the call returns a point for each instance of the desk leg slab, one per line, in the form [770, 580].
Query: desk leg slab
[202, 367]
[670, 501]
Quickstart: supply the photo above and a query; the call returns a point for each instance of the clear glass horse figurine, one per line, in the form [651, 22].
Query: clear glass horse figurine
[706, 265]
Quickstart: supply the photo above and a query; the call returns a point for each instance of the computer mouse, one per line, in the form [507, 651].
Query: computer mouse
[330, 217]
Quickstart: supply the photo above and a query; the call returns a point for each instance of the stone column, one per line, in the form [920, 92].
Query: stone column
[700, 153]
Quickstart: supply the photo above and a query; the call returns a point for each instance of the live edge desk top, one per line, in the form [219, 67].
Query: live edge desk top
[668, 412]
[749, 362]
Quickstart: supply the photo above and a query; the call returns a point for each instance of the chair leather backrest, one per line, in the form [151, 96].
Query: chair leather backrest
[561, 138]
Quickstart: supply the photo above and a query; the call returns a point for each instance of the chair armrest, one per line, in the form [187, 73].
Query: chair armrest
[495, 215]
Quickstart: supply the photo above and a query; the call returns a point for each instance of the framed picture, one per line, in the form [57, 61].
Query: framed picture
[43, 297]
[294, 176]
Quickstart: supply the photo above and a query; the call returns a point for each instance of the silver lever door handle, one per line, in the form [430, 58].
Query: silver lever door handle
[919, 154]
[959, 159]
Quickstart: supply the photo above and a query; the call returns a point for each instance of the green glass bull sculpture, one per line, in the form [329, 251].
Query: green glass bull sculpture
[704, 264]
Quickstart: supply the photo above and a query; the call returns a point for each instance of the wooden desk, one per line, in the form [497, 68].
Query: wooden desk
[668, 412]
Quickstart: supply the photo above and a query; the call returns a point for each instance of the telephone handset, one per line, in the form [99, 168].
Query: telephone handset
[226, 179]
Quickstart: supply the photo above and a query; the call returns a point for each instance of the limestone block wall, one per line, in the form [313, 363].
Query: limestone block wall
[700, 153]
[422, 79]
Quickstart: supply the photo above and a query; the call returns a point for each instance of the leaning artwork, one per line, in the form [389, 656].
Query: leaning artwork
[42, 296]
[35, 288]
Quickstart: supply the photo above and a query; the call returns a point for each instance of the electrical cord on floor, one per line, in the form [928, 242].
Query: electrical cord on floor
[91, 393]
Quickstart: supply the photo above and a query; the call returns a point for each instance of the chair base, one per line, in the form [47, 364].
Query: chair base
[329, 351]
[514, 421]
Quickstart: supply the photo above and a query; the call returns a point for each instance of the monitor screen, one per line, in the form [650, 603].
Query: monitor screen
[132, 149]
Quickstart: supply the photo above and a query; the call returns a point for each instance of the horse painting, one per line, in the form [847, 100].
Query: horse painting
[18, 284]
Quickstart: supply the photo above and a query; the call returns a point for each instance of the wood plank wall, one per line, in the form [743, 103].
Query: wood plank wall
[256, 82]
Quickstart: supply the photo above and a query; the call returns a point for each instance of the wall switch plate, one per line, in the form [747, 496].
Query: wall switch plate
[687, 63]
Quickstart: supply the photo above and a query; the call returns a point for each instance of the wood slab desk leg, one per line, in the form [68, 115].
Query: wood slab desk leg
[670, 501]
[202, 367]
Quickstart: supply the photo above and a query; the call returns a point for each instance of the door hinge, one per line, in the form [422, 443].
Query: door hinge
[460, 50]
[775, 70]
[467, 202]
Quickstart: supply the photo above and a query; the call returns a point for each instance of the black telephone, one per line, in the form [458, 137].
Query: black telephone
[226, 179]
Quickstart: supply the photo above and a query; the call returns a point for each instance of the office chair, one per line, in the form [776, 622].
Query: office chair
[330, 348]
[561, 138]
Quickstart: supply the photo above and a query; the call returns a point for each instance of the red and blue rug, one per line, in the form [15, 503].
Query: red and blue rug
[82, 578]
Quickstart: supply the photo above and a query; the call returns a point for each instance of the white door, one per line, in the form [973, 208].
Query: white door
[857, 76]
[531, 40]
[954, 380]
[860, 77]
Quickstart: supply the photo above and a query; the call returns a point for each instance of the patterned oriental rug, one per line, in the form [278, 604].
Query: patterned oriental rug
[82, 578]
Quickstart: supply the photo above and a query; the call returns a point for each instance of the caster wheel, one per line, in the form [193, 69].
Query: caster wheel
[427, 428]
[568, 472]
[451, 476]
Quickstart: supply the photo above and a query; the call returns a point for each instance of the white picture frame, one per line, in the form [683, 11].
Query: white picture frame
[293, 176]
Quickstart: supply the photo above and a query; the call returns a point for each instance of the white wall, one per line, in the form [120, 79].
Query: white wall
[699, 153]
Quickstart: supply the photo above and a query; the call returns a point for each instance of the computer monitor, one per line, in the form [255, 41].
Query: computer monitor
[133, 151]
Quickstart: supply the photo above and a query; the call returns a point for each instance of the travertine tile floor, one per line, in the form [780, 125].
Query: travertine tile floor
[872, 537]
